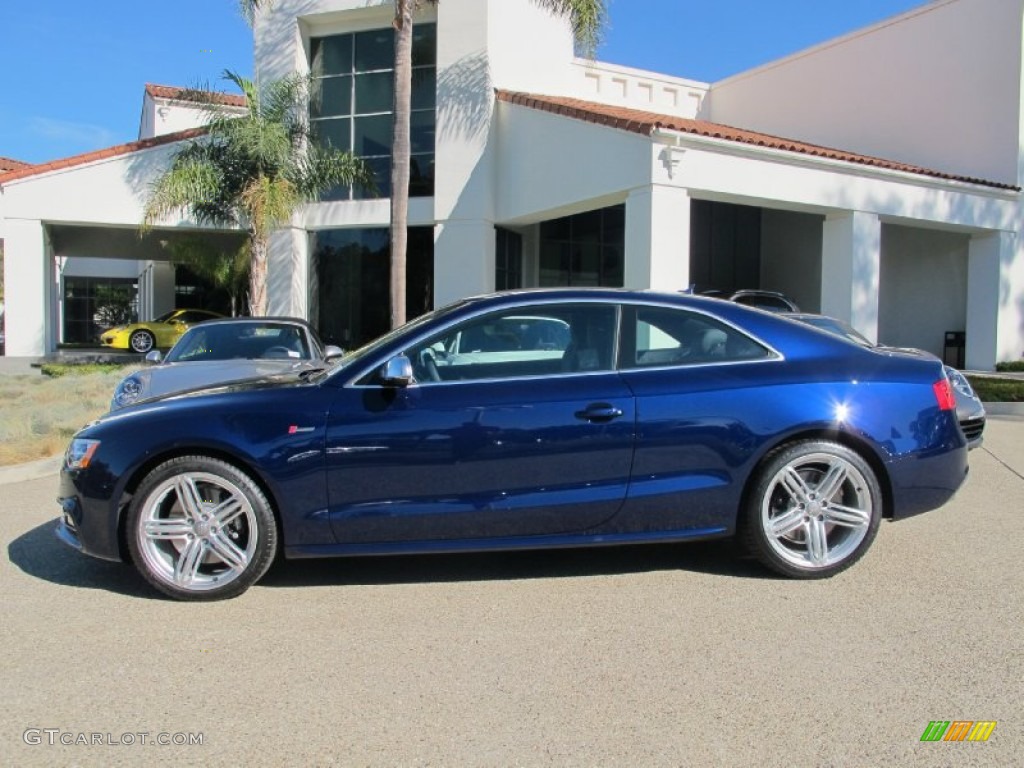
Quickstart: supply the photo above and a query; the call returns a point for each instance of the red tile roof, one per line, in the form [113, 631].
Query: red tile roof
[639, 121]
[7, 164]
[99, 154]
[175, 93]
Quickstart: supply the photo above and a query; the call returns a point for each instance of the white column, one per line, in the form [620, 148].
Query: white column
[992, 325]
[658, 238]
[144, 289]
[463, 260]
[27, 274]
[161, 290]
[288, 273]
[850, 263]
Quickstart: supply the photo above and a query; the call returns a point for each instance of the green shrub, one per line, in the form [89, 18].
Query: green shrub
[1011, 365]
[993, 390]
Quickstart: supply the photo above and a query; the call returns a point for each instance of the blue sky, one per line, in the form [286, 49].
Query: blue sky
[72, 73]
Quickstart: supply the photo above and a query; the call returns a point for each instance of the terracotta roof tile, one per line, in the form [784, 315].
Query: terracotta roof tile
[176, 93]
[645, 123]
[8, 164]
[99, 154]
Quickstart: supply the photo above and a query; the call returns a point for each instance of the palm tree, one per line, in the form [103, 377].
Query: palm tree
[252, 171]
[225, 269]
[587, 18]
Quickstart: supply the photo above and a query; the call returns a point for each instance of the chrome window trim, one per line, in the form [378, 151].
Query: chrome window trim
[618, 304]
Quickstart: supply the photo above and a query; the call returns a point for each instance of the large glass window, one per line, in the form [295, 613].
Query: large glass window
[508, 259]
[352, 104]
[584, 250]
[94, 304]
[349, 294]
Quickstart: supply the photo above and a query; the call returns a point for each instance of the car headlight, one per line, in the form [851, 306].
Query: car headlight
[128, 391]
[79, 454]
[959, 382]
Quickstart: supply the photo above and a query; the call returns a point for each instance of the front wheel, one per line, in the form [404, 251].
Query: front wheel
[814, 509]
[141, 341]
[200, 529]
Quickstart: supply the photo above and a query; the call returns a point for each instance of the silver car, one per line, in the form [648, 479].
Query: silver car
[970, 411]
[225, 351]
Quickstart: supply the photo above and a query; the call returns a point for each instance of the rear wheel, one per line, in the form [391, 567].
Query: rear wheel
[814, 509]
[141, 341]
[200, 529]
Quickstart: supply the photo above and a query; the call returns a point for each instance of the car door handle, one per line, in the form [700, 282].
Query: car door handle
[599, 412]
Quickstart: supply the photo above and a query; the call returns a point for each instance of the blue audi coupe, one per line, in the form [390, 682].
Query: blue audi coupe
[524, 420]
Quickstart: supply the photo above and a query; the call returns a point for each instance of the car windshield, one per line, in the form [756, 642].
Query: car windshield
[245, 341]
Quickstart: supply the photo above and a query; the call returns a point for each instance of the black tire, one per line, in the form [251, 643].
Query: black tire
[199, 528]
[141, 341]
[813, 509]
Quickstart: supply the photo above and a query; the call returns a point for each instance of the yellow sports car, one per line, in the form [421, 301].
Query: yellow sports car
[162, 332]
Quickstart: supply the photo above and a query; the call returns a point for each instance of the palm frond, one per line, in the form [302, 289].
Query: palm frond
[323, 168]
[588, 18]
[268, 203]
[284, 99]
[192, 182]
[226, 268]
[249, 9]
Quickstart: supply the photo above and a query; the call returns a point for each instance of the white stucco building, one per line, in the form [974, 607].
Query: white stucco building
[875, 177]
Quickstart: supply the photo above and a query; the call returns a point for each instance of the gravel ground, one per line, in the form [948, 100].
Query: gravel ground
[676, 656]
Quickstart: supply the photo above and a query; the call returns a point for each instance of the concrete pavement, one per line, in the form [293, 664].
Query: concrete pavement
[661, 655]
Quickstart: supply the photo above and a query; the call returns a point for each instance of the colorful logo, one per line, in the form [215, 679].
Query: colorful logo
[958, 730]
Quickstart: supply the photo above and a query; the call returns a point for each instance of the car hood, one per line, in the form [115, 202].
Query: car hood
[178, 378]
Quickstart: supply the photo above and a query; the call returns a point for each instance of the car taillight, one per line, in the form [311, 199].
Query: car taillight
[944, 395]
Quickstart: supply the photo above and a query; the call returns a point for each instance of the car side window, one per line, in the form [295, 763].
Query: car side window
[520, 342]
[659, 336]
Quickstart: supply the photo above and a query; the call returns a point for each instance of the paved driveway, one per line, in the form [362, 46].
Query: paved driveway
[676, 655]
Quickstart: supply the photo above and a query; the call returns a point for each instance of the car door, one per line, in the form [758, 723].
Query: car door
[493, 441]
[700, 418]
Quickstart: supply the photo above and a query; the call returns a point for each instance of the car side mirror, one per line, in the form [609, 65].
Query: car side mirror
[332, 352]
[154, 357]
[397, 372]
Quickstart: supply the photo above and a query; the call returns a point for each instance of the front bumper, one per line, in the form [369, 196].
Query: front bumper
[973, 430]
[87, 524]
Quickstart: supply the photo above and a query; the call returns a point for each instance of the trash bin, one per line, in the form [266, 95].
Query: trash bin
[953, 349]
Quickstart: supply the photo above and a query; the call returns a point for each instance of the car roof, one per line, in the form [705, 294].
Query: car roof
[248, 320]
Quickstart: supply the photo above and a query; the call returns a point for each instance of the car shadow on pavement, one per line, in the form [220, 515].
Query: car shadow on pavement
[720, 558]
[38, 553]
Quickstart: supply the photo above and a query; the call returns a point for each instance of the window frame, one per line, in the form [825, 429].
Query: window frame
[631, 317]
[368, 377]
[421, 159]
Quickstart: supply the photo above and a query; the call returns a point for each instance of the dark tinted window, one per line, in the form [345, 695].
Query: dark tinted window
[352, 103]
[656, 336]
[584, 250]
